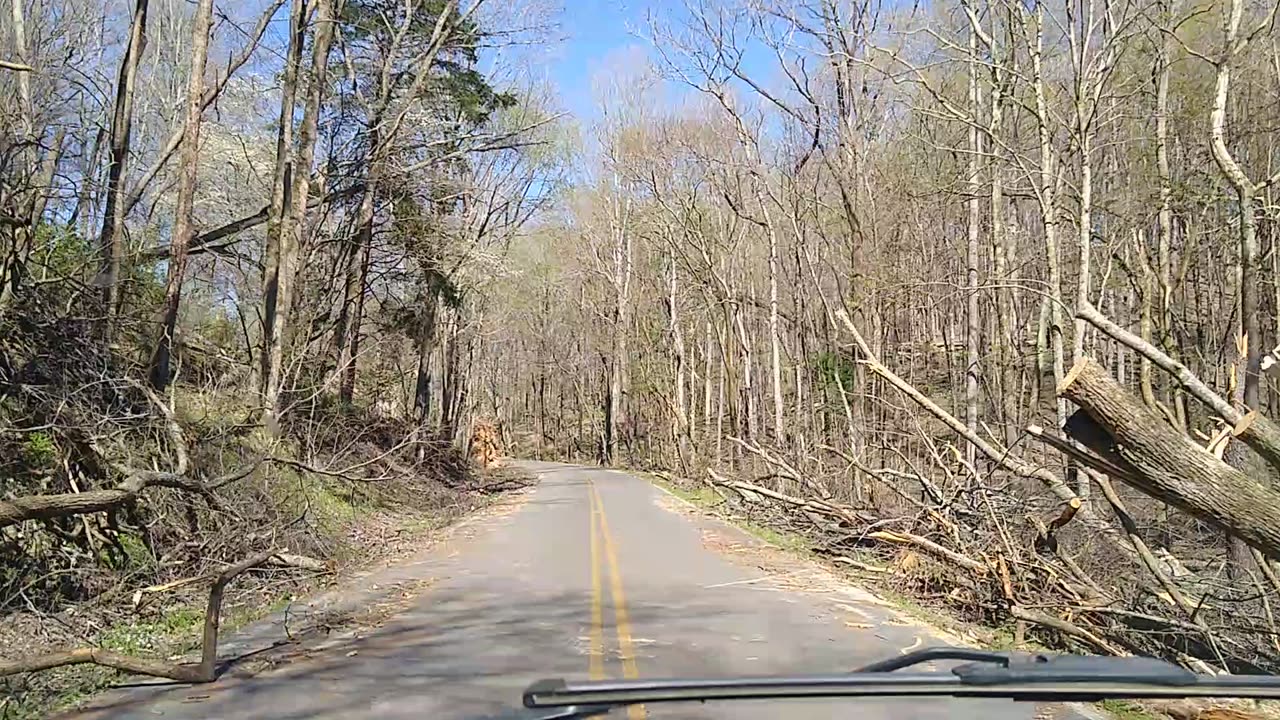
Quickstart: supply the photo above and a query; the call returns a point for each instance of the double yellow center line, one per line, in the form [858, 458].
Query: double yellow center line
[602, 545]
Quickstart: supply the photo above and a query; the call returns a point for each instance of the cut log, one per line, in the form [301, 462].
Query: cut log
[1168, 465]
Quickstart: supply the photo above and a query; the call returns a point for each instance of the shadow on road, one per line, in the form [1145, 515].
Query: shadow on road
[456, 654]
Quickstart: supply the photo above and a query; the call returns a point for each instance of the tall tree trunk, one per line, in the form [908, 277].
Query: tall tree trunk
[707, 358]
[293, 226]
[1245, 192]
[16, 253]
[426, 347]
[351, 352]
[281, 184]
[621, 237]
[973, 319]
[347, 327]
[775, 353]
[680, 426]
[187, 175]
[1047, 198]
[1247, 363]
[1006, 339]
[111, 238]
[26, 111]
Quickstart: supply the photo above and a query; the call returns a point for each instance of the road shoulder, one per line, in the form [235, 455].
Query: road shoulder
[783, 564]
[359, 600]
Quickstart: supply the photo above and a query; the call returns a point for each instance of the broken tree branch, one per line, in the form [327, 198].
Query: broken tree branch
[931, 547]
[1144, 553]
[1036, 617]
[205, 671]
[47, 507]
[1003, 459]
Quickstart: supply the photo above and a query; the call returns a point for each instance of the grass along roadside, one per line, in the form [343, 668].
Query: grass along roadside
[706, 499]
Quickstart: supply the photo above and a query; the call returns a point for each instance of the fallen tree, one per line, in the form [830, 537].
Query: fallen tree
[1257, 431]
[204, 671]
[1166, 464]
[962, 540]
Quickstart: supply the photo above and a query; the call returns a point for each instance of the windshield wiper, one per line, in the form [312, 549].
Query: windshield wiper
[1014, 676]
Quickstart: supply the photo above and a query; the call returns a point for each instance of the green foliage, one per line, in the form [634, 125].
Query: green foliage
[826, 367]
[1125, 710]
[174, 629]
[470, 92]
[146, 285]
[62, 251]
[454, 76]
[135, 551]
[364, 19]
[38, 450]
[128, 553]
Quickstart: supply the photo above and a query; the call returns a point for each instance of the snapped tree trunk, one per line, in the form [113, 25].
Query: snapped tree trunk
[1167, 465]
[1245, 191]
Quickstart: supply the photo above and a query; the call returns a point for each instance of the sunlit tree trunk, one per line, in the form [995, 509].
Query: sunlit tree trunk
[281, 185]
[293, 227]
[111, 238]
[188, 169]
[973, 319]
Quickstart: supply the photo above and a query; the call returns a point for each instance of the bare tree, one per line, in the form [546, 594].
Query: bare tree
[182, 225]
[111, 239]
[292, 226]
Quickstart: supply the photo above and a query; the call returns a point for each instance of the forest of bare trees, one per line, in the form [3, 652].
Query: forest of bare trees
[243, 254]
[977, 297]
[980, 292]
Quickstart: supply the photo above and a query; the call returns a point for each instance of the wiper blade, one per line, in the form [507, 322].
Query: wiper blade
[999, 668]
[1045, 678]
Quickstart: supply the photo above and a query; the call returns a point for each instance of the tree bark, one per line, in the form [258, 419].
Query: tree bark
[293, 226]
[352, 314]
[621, 238]
[973, 319]
[1245, 192]
[282, 180]
[1256, 430]
[111, 238]
[183, 229]
[426, 347]
[1168, 466]
[1047, 199]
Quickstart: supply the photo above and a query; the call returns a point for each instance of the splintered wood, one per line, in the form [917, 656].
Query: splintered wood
[485, 443]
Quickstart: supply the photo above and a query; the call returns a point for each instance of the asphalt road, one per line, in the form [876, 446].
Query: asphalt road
[597, 574]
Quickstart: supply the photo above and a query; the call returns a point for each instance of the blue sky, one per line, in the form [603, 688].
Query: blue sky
[593, 31]
[596, 32]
